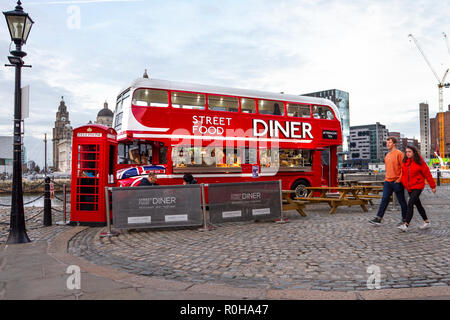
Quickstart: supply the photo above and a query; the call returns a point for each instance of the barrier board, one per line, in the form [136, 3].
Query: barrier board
[244, 201]
[157, 206]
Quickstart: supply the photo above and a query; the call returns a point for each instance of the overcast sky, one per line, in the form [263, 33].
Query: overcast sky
[300, 46]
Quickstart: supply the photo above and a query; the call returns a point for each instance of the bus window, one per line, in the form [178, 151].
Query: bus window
[298, 110]
[269, 157]
[271, 107]
[186, 100]
[134, 154]
[222, 103]
[121, 99]
[207, 157]
[322, 112]
[248, 105]
[249, 156]
[295, 158]
[151, 98]
[162, 155]
[118, 122]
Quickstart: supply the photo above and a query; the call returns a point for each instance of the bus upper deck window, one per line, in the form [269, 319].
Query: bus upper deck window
[298, 110]
[151, 98]
[323, 112]
[248, 105]
[222, 103]
[275, 108]
[186, 100]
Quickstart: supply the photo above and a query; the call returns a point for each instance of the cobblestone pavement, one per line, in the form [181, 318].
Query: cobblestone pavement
[320, 251]
[34, 223]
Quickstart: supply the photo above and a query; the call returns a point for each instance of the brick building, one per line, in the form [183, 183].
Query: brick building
[434, 133]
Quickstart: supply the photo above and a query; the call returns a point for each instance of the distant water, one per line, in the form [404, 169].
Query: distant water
[6, 199]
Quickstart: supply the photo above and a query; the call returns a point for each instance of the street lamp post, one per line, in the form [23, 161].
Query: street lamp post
[19, 25]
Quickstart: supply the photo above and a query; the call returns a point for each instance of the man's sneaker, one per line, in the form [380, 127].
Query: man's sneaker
[426, 225]
[376, 221]
[403, 227]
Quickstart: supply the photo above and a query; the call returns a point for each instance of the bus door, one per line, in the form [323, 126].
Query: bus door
[326, 168]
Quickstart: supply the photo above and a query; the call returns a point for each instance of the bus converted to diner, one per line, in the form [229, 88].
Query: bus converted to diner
[222, 135]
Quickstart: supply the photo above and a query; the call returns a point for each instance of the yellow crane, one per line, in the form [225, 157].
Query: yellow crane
[441, 85]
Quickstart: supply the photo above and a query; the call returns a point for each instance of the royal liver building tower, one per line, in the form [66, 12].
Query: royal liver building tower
[62, 139]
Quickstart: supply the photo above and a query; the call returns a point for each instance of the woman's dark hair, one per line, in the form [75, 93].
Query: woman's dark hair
[188, 178]
[416, 155]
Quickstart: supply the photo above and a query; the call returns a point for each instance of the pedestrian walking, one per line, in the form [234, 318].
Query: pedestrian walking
[392, 182]
[414, 173]
[189, 179]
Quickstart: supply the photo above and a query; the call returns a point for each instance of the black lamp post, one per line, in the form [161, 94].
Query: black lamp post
[19, 24]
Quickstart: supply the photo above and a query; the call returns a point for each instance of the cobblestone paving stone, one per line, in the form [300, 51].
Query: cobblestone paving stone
[34, 224]
[320, 251]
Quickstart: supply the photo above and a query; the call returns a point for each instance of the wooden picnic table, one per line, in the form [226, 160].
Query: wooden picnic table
[345, 196]
[348, 183]
[370, 183]
[293, 204]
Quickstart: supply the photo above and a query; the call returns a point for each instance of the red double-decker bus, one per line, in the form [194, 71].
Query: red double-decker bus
[220, 134]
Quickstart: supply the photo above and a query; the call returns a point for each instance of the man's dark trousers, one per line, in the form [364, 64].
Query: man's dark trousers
[388, 189]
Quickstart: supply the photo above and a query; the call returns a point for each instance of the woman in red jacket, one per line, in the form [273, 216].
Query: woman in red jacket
[414, 173]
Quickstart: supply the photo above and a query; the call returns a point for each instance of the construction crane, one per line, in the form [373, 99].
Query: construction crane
[441, 85]
[446, 42]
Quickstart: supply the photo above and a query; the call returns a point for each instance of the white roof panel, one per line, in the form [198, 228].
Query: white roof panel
[185, 86]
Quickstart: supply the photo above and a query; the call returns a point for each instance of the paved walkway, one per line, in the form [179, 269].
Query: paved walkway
[316, 257]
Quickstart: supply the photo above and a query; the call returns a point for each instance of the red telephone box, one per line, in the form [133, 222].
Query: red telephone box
[94, 158]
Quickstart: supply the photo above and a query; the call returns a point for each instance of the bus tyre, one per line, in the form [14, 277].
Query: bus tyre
[300, 189]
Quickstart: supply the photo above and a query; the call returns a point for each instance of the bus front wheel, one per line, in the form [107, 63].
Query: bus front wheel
[300, 189]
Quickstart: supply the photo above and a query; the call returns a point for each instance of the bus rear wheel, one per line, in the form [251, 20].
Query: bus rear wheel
[300, 188]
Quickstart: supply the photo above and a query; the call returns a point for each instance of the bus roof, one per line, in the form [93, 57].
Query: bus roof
[193, 87]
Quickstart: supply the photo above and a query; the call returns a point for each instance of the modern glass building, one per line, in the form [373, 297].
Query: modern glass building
[367, 144]
[341, 100]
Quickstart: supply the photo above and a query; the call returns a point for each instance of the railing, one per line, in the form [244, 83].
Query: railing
[48, 194]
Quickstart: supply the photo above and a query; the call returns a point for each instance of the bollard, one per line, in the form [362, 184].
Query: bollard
[206, 226]
[438, 176]
[47, 203]
[65, 203]
[109, 232]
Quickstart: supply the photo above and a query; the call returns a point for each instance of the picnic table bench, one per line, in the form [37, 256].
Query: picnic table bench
[347, 183]
[293, 204]
[345, 196]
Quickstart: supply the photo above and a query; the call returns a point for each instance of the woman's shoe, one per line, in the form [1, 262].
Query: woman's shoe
[426, 225]
[403, 227]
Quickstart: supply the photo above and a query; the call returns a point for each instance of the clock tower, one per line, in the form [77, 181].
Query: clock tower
[61, 131]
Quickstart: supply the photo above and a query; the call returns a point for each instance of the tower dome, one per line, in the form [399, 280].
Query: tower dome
[105, 112]
[105, 116]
